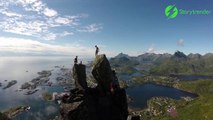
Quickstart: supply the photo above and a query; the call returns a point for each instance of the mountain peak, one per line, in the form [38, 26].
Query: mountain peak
[120, 55]
[179, 54]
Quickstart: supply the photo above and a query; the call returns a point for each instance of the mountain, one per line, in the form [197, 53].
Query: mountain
[180, 63]
[122, 60]
[121, 55]
[165, 64]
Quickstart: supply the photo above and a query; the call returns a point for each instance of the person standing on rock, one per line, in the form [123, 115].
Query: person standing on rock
[76, 60]
[97, 50]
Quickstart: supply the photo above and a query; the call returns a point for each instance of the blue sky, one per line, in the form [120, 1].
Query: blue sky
[73, 27]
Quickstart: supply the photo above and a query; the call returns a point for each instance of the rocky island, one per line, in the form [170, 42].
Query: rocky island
[11, 83]
[31, 86]
[12, 112]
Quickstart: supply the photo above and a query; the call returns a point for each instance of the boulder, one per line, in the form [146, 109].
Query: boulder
[79, 75]
[102, 72]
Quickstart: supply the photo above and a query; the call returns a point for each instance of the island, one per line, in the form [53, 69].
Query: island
[11, 83]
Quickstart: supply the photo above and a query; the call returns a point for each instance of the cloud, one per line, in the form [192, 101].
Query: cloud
[24, 27]
[50, 12]
[65, 33]
[62, 20]
[153, 49]
[34, 18]
[91, 28]
[11, 14]
[53, 36]
[49, 36]
[180, 42]
[33, 47]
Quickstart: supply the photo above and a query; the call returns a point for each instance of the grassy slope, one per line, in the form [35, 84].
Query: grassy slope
[200, 67]
[198, 109]
[202, 107]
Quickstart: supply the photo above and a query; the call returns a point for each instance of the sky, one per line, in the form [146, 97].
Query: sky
[74, 27]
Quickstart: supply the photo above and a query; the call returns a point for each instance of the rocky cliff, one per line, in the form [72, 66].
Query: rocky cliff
[98, 103]
[79, 75]
[102, 73]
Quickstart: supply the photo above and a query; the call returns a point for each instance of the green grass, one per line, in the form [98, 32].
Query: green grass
[201, 108]
[47, 96]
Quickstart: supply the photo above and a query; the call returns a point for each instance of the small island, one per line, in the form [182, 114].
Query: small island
[11, 83]
[47, 96]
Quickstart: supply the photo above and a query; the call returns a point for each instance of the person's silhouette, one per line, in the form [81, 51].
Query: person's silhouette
[97, 50]
[76, 60]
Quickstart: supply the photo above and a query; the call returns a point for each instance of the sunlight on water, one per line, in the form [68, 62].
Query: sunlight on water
[24, 69]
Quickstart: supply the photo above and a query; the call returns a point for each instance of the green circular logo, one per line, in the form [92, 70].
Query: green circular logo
[171, 11]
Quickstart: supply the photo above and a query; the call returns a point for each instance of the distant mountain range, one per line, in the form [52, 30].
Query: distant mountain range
[164, 64]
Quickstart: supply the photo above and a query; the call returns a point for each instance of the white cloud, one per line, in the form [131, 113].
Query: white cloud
[62, 20]
[91, 28]
[38, 6]
[153, 49]
[65, 33]
[19, 45]
[50, 12]
[34, 18]
[24, 28]
[180, 42]
[49, 36]
[11, 14]
[53, 36]
[26, 2]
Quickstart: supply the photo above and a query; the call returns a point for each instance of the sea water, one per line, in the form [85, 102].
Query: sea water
[24, 69]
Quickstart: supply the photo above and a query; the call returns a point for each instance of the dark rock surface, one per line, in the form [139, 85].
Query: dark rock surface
[11, 83]
[102, 72]
[79, 75]
[95, 103]
[4, 117]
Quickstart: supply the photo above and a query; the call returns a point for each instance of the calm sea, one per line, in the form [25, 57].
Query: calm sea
[24, 69]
